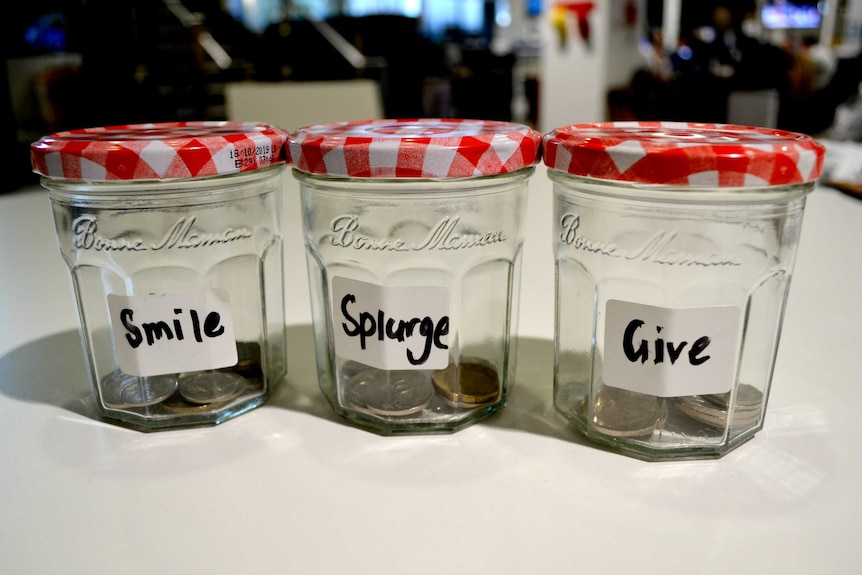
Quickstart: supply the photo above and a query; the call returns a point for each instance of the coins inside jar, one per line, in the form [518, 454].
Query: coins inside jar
[121, 390]
[211, 387]
[248, 359]
[713, 409]
[621, 413]
[351, 368]
[390, 393]
[468, 384]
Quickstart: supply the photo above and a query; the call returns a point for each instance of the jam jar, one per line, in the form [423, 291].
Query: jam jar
[674, 245]
[413, 235]
[172, 236]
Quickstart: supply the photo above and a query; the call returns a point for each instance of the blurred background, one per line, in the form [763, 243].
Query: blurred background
[790, 64]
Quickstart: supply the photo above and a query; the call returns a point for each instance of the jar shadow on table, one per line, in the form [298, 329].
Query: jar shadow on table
[51, 371]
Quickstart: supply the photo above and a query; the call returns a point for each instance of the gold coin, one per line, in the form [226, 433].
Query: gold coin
[248, 359]
[469, 383]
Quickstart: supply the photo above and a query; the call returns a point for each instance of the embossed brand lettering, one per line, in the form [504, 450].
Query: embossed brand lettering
[657, 249]
[182, 234]
[443, 236]
[87, 237]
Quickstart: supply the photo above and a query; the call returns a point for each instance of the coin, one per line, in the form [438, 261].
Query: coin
[211, 387]
[248, 358]
[713, 409]
[121, 390]
[351, 368]
[391, 393]
[622, 413]
[747, 397]
[477, 383]
[177, 405]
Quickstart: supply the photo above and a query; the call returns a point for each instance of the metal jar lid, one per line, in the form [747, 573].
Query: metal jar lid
[161, 151]
[415, 148]
[684, 154]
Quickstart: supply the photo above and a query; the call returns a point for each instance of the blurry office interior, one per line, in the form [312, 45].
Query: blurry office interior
[788, 64]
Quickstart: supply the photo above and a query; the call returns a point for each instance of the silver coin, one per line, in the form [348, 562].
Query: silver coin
[706, 411]
[747, 398]
[351, 368]
[121, 390]
[622, 413]
[390, 393]
[211, 387]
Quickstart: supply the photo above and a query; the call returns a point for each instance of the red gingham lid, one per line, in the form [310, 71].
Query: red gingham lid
[415, 148]
[159, 151]
[684, 154]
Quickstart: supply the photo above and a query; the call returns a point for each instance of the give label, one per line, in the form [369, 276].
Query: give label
[667, 352]
[391, 327]
[161, 333]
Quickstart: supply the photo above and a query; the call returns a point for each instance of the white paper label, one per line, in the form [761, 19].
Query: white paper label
[668, 352]
[173, 332]
[391, 327]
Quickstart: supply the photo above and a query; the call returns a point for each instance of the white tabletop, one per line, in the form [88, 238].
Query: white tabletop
[289, 488]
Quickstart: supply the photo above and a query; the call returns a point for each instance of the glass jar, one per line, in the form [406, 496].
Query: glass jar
[413, 234]
[674, 247]
[172, 235]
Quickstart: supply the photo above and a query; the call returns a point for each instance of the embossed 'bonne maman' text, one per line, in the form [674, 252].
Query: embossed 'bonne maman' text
[441, 237]
[657, 249]
[181, 234]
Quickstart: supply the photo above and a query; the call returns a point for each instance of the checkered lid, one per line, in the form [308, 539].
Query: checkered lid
[159, 151]
[684, 154]
[415, 148]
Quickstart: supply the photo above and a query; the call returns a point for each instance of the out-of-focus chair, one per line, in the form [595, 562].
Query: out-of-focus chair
[294, 104]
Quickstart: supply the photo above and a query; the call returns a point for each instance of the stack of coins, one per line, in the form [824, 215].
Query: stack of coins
[186, 393]
[713, 409]
[121, 390]
[211, 387]
[248, 362]
[468, 384]
[622, 413]
[394, 393]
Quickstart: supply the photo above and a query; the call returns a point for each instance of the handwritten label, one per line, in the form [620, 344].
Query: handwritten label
[346, 233]
[182, 234]
[155, 334]
[660, 248]
[391, 327]
[669, 352]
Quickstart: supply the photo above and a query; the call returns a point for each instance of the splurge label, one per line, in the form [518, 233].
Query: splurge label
[155, 334]
[391, 327]
[669, 352]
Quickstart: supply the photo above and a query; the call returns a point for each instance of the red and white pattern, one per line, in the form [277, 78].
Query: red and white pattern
[159, 151]
[415, 148]
[684, 154]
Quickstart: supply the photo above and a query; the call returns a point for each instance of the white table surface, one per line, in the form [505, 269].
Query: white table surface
[290, 488]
